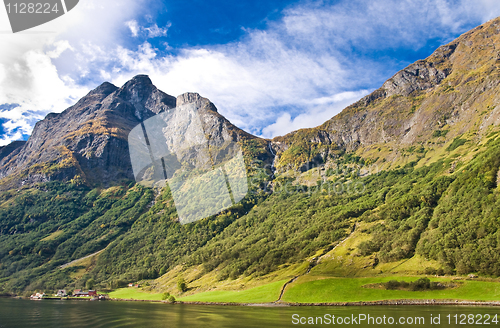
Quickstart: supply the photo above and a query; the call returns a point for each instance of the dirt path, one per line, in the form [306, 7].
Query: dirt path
[312, 264]
[80, 259]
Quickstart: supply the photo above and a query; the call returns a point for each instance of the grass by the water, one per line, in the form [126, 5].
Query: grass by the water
[352, 290]
[262, 294]
[135, 294]
[332, 290]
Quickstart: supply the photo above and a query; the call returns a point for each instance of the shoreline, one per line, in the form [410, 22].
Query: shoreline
[400, 302]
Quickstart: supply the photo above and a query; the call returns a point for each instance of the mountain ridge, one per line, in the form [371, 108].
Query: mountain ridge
[436, 93]
[406, 181]
[89, 139]
[398, 113]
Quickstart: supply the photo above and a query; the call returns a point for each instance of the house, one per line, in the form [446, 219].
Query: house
[37, 296]
[79, 293]
[131, 285]
[61, 293]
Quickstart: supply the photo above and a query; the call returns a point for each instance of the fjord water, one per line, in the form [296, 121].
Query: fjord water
[23, 313]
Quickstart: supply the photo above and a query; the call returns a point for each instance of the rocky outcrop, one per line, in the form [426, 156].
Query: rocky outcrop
[89, 139]
[456, 89]
[9, 149]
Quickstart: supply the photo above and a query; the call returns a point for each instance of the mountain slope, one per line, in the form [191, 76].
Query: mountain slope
[89, 137]
[89, 140]
[426, 105]
[409, 174]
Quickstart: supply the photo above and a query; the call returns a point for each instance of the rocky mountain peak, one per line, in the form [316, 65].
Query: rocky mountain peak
[90, 139]
[144, 97]
[188, 97]
[104, 89]
[193, 97]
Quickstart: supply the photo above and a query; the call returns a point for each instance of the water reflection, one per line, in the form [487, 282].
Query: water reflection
[22, 313]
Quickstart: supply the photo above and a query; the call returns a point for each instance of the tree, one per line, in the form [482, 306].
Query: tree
[181, 285]
[90, 284]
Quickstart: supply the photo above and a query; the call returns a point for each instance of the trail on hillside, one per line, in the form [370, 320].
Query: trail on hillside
[312, 264]
[80, 259]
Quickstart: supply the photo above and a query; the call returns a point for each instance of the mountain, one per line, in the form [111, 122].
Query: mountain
[88, 141]
[405, 181]
[426, 105]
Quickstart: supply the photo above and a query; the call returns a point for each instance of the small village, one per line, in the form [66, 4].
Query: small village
[77, 294]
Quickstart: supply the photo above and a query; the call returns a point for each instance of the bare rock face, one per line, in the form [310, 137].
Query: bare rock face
[422, 75]
[90, 139]
[419, 76]
[446, 91]
[145, 98]
[12, 147]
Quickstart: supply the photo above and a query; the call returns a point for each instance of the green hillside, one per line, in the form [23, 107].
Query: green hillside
[450, 219]
[401, 185]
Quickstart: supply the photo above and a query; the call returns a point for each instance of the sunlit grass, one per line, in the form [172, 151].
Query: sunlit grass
[135, 294]
[351, 290]
[262, 294]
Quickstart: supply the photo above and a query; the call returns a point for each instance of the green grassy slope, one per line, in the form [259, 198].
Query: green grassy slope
[398, 215]
[262, 294]
[352, 290]
[405, 201]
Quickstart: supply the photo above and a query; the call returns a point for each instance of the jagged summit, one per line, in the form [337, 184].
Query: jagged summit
[89, 139]
[424, 106]
[427, 104]
[193, 97]
[145, 97]
[104, 89]
[139, 79]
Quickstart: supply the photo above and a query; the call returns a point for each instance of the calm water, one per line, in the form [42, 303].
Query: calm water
[24, 313]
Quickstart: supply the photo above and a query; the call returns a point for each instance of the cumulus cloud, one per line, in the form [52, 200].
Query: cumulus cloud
[149, 32]
[39, 71]
[298, 72]
[134, 27]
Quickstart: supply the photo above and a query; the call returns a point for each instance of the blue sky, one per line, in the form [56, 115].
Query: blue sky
[270, 67]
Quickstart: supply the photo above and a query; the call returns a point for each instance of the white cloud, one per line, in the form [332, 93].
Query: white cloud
[319, 111]
[149, 32]
[38, 89]
[134, 27]
[2, 73]
[298, 72]
[154, 31]
[60, 47]
[38, 66]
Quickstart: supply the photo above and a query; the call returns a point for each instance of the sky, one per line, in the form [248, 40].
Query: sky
[270, 67]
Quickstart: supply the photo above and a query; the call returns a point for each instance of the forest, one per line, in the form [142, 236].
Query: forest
[447, 211]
